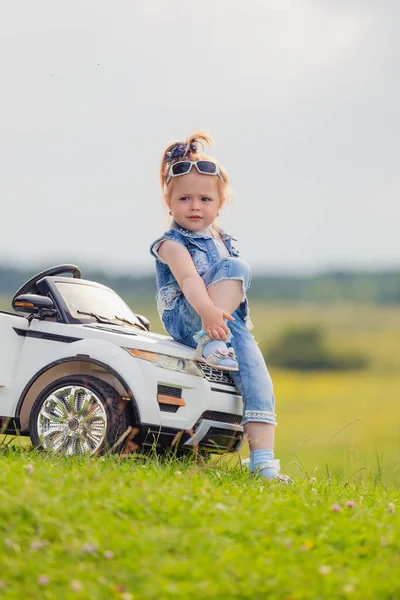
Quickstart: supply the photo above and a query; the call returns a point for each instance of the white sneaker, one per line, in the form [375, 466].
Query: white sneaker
[274, 464]
[223, 358]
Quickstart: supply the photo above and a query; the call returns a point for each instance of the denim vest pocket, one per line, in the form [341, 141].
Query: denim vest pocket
[179, 321]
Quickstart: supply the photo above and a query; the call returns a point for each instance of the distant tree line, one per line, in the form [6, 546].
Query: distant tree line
[380, 287]
[304, 348]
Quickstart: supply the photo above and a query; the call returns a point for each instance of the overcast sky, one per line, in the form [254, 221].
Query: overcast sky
[301, 97]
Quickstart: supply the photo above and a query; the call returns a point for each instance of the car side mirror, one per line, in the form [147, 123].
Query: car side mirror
[32, 303]
[144, 321]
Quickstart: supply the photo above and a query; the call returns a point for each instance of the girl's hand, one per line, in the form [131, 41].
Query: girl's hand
[213, 323]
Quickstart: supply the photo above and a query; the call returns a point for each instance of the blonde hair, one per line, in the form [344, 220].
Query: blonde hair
[192, 152]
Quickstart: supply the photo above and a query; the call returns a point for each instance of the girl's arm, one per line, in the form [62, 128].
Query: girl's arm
[183, 269]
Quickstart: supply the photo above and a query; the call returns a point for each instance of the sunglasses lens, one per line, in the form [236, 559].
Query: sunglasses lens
[206, 166]
[181, 168]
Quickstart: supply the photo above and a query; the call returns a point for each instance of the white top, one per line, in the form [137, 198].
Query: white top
[207, 233]
[222, 249]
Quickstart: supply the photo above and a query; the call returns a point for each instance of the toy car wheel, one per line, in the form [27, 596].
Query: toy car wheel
[78, 414]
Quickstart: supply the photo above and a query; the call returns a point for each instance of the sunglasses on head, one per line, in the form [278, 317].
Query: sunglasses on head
[205, 167]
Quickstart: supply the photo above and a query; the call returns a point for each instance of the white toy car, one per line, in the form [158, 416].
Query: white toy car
[81, 373]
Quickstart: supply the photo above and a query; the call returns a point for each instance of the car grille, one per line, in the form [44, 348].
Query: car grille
[218, 439]
[170, 408]
[220, 431]
[216, 375]
[222, 417]
[167, 390]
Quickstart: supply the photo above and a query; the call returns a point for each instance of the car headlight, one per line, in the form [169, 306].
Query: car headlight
[182, 365]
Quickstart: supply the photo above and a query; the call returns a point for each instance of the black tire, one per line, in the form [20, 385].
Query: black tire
[109, 414]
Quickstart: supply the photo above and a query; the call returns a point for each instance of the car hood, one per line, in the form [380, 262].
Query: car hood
[123, 337]
[131, 337]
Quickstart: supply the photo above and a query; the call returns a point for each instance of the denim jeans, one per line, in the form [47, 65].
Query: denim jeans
[253, 379]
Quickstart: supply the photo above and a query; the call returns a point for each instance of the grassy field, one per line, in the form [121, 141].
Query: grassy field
[345, 423]
[132, 528]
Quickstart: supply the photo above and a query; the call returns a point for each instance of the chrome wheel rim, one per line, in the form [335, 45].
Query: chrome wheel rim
[72, 420]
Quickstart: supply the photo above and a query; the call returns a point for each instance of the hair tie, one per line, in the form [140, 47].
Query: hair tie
[179, 151]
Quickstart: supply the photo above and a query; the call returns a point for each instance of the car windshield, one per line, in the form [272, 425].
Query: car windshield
[98, 301]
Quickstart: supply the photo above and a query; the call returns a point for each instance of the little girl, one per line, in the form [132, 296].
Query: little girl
[202, 287]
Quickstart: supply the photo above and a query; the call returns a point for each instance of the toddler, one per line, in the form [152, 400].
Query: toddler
[202, 287]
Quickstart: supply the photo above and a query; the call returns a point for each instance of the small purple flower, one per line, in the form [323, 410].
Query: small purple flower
[336, 507]
[350, 504]
[88, 549]
[179, 151]
[43, 580]
[38, 544]
[109, 554]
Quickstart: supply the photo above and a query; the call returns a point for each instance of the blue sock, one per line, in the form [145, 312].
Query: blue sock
[259, 456]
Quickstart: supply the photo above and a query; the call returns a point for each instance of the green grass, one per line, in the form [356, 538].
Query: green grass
[127, 529]
[342, 422]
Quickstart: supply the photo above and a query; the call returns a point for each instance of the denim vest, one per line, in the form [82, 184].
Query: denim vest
[204, 255]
